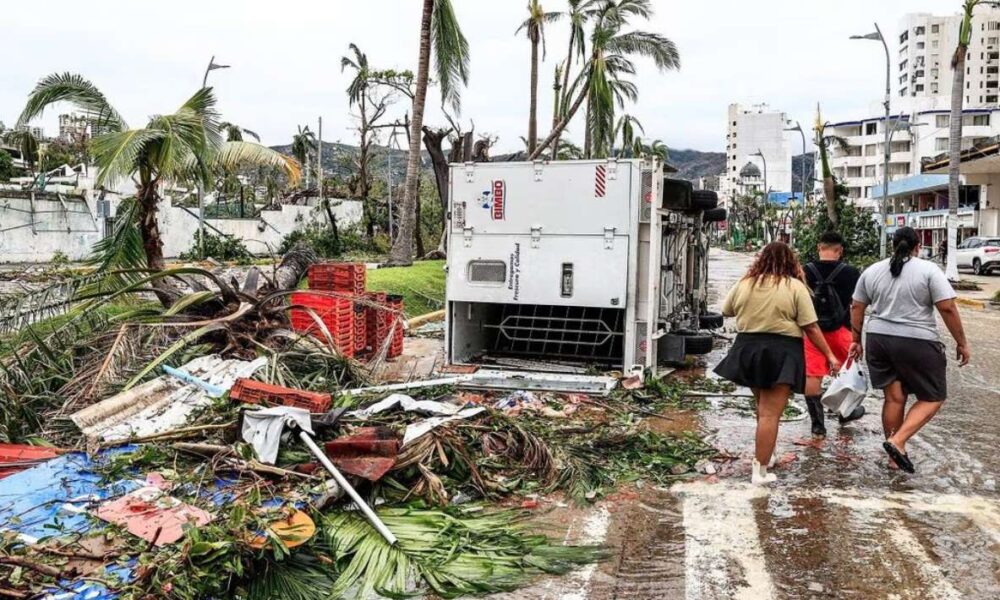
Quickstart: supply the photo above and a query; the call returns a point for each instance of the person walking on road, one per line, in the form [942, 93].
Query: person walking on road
[773, 309]
[832, 282]
[904, 353]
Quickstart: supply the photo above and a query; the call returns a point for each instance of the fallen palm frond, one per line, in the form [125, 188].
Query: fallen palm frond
[454, 551]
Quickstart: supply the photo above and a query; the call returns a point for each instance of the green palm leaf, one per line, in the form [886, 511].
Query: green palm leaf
[72, 88]
[233, 155]
[451, 53]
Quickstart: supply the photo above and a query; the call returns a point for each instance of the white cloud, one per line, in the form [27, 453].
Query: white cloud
[148, 57]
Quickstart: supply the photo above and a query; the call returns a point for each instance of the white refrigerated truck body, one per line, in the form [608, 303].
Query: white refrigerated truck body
[569, 262]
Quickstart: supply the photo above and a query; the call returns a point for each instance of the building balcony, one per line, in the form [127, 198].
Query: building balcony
[968, 218]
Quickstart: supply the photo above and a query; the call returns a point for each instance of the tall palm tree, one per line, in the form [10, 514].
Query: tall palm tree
[535, 28]
[625, 128]
[824, 142]
[955, 132]
[180, 147]
[610, 56]
[438, 27]
[578, 13]
[235, 133]
[303, 147]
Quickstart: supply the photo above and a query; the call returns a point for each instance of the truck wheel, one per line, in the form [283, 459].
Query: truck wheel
[714, 215]
[977, 266]
[704, 199]
[695, 343]
[710, 320]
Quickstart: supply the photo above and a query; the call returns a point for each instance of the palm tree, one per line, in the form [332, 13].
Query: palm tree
[438, 27]
[303, 146]
[955, 131]
[535, 28]
[631, 144]
[578, 13]
[180, 147]
[824, 142]
[611, 49]
[235, 133]
[26, 143]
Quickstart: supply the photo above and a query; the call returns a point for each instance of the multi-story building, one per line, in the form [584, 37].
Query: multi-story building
[751, 132]
[926, 44]
[859, 162]
[73, 128]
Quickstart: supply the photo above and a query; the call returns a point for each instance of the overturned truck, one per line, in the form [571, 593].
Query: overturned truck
[573, 263]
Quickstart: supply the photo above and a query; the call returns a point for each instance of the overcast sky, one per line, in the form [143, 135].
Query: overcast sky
[148, 57]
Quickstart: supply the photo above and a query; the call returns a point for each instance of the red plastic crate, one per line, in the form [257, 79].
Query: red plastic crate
[396, 324]
[360, 329]
[376, 321]
[338, 277]
[335, 312]
[251, 391]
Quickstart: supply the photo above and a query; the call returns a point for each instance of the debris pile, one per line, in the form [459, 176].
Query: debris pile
[206, 449]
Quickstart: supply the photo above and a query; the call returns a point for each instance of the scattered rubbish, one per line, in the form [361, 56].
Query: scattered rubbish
[434, 330]
[548, 382]
[262, 429]
[212, 390]
[271, 421]
[160, 404]
[408, 404]
[536, 365]
[421, 428]
[409, 385]
[152, 515]
[17, 457]
[632, 382]
[257, 392]
[370, 452]
[293, 531]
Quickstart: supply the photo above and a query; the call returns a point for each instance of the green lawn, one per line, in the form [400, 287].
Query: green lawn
[421, 285]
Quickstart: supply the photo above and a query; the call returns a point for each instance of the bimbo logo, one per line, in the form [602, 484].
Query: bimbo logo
[495, 200]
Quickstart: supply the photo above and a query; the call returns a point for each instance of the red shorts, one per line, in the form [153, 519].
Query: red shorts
[839, 342]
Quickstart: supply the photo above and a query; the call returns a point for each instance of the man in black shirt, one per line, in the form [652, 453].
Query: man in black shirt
[832, 282]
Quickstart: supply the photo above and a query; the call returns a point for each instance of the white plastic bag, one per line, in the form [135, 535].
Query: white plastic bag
[847, 390]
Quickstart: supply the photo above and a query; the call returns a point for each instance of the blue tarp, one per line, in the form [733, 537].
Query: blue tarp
[783, 198]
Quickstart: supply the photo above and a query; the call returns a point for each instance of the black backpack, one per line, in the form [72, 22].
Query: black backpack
[829, 308]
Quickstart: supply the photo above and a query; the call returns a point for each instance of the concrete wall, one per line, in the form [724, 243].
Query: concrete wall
[74, 229]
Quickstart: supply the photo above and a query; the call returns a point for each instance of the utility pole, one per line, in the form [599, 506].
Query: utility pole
[877, 35]
[201, 186]
[319, 160]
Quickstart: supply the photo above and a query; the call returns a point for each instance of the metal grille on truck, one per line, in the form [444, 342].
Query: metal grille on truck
[575, 333]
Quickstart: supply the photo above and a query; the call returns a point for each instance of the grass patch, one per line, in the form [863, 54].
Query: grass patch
[421, 285]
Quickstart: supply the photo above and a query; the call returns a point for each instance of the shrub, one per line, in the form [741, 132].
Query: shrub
[858, 225]
[225, 248]
[328, 245]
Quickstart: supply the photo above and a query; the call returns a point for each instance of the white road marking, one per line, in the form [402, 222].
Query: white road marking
[595, 531]
[723, 557]
[936, 585]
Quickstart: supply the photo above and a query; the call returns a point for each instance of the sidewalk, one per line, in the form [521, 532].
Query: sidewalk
[990, 284]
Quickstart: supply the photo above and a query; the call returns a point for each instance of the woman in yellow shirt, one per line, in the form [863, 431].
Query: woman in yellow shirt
[773, 309]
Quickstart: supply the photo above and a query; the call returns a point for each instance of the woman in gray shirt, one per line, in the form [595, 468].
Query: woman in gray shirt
[904, 354]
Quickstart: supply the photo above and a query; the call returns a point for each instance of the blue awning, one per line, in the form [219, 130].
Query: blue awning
[783, 198]
[914, 184]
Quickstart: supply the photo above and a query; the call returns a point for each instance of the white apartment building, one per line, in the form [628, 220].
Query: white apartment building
[750, 130]
[859, 163]
[926, 43]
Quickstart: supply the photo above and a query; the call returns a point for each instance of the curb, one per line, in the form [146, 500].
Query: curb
[971, 303]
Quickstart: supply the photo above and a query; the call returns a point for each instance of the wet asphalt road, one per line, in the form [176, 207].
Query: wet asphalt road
[837, 524]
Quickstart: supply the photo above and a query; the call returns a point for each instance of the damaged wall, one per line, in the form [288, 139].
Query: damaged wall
[74, 231]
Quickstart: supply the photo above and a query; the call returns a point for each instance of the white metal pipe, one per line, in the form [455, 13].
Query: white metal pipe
[347, 487]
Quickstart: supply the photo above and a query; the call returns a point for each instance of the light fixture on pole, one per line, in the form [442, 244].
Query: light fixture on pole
[802, 159]
[877, 36]
[212, 65]
[767, 200]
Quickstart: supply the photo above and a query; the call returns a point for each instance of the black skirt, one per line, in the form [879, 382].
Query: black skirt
[764, 360]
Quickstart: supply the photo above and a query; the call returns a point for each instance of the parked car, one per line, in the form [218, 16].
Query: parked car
[981, 254]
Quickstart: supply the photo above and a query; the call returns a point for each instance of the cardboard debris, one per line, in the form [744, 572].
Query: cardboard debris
[408, 404]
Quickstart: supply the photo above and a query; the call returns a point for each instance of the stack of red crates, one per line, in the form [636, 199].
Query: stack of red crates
[395, 324]
[338, 277]
[336, 313]
[361, 322]
[257, 392]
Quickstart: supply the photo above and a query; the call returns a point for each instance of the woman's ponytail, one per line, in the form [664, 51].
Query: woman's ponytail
[904, 241]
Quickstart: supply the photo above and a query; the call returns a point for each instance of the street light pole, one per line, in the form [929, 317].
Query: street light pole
[802, 159]
[764, 160]
[877, 35]
[201, 186]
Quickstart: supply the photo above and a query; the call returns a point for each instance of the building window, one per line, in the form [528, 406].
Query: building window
[871, 150]
[920, 45]
[918, 88]
[905, 36]
[870, 171]
[934, 43]
[935, 28]
[942, 120]
[934, 88]
[919, 31]
[981, 120]
[871, 128]
[941, 144]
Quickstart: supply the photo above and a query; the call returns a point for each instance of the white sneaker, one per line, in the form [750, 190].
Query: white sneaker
[759, 474]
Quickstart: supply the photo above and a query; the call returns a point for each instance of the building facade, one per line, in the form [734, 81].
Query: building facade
[923, 57]
[859, 162]
[755, 129]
